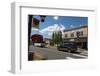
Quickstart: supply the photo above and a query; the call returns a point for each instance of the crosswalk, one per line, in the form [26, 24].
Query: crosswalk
[77, 55]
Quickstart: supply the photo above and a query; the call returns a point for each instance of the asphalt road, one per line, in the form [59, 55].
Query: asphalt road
[53, 53]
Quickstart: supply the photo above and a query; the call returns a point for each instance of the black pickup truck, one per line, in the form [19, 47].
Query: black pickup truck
[69, 47]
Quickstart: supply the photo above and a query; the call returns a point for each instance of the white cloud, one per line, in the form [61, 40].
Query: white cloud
[80, 25]
[71, 26]
[47, 32]
[55, 17]
[50, 29]
[35, 29]
[50, 33]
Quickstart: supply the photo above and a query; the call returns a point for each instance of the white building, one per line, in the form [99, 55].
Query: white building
[78, 35]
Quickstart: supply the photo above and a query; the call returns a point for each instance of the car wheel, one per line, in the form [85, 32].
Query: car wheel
[69, 51]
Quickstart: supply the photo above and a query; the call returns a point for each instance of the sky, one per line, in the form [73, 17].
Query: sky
[54, 23]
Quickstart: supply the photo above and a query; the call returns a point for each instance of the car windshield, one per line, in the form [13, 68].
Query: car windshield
[69, 44]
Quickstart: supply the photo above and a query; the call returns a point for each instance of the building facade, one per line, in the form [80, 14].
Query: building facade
[79, 35]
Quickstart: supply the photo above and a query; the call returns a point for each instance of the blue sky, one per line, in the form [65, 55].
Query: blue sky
[65, 21]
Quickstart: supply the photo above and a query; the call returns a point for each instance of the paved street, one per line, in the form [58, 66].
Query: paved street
[53, 53]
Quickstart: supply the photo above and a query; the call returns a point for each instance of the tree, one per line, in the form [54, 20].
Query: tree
[53, 37]
[51, 42]
[57, 37]
[60, 37]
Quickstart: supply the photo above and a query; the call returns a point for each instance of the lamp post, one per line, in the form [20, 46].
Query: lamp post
[42, 18]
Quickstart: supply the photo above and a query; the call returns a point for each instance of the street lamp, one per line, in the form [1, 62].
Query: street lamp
[42, 18]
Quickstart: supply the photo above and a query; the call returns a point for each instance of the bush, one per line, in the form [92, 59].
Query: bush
[51, 43]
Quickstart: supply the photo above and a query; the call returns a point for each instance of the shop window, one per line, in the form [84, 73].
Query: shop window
[66, 35]
[72, 34]
[79, 33]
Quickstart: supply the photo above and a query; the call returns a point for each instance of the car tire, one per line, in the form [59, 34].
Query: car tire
[69, 51]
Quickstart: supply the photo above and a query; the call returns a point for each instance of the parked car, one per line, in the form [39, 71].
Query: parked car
[69, 47]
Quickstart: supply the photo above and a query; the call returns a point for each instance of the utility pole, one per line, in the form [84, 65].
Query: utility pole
[29, 28]
[30, 55]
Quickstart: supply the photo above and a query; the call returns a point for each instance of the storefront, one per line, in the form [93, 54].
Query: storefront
[81, 42]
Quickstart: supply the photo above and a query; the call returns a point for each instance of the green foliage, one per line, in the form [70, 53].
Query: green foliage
[51, 42]
[57, 37]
